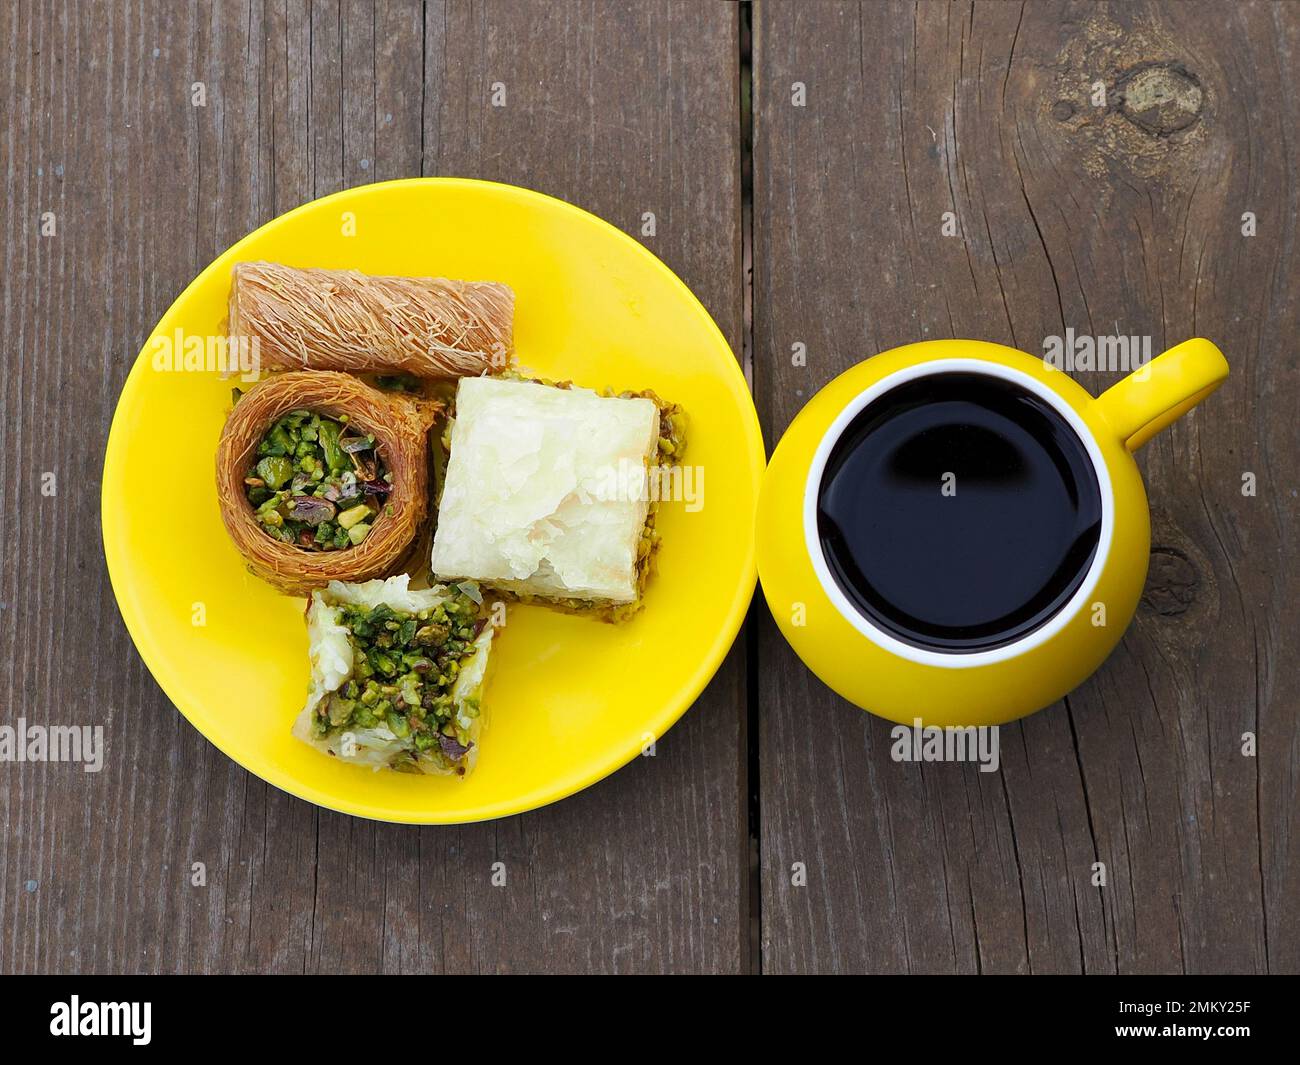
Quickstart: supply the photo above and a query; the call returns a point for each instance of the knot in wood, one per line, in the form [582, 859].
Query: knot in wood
[1172, 582]
[1161, 98]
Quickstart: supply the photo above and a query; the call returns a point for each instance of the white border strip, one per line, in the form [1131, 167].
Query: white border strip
[956, 659]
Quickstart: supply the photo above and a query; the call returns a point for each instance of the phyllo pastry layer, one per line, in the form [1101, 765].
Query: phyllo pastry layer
[546, 491]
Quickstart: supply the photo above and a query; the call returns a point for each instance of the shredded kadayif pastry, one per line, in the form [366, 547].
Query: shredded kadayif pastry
[307, 319]
[399, 426]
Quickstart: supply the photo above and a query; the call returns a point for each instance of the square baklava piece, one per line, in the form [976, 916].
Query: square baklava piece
[547, 495]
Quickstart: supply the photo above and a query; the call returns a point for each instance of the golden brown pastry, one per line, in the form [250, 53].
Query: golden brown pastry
[307, 319]
[376, 483]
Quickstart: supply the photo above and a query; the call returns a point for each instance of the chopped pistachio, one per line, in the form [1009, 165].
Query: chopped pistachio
[273, 471]
[395, 683]
[303, 486]
[353, 515]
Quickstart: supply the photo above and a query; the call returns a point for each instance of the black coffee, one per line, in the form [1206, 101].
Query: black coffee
[959, 512]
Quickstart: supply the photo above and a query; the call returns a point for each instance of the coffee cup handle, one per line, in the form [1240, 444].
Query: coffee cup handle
[1162, 391]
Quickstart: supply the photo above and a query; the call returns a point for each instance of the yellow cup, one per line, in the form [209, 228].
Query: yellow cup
[901, 681]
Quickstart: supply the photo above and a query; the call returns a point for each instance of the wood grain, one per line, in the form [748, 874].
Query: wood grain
[1107, 223]
[621, 108]
[1104, 220]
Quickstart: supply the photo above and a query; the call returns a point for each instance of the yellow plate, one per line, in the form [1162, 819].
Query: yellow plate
[569, 700]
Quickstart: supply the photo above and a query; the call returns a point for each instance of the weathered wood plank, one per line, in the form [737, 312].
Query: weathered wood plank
[620, 108]
[1068, 216]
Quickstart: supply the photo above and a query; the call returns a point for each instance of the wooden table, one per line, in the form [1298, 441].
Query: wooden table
[1125, 218]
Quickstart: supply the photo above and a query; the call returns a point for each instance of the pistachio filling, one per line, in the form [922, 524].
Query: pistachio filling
[405, 666]
[317, 484]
